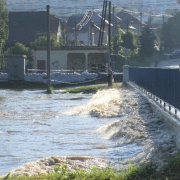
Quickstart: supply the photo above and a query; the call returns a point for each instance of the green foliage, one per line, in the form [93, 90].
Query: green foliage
[3, 28]
[89, 89]
[169, 33]
[42, 41]
[20, 49]
[3, 23]
[171, 169]
[72, 43]
[144, 171]
[123, 40]
[148, 171]
[146, 43]
[129, 40]
[50, 90]
[117, 41]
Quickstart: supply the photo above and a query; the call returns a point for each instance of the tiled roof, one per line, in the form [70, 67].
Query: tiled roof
[124, 15]
[78, 17]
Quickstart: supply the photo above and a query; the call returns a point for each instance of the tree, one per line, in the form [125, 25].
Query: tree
[146, 43]
[3, 26]
[169, 33]
[117, 41]
[42, 41]
[129, 41]
[3, 23]
[20, 49]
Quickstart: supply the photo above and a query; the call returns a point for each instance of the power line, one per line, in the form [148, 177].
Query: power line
[88, 19]
[82, 20]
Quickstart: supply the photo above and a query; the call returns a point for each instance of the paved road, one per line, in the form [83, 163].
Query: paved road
[171, 63]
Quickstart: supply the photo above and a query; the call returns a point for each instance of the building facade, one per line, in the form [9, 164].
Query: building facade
[70, 58]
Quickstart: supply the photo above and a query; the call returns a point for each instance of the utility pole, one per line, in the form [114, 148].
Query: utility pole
[109, 63]
[163, 18]
[149, 21]
[48, 53]
[140, 21]
[75, 34]
[100, 32]
[104, 18]
[91, 32]
[113, 20]
[127, 25]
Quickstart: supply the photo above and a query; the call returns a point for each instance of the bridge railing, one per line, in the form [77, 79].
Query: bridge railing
[163, 83]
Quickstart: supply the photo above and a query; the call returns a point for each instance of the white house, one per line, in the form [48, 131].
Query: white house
[70, 57]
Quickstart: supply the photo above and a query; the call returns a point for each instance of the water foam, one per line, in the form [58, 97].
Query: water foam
[105, 103]
[141, 126]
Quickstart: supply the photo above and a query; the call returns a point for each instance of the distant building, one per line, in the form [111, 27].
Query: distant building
[87, 32]
[70, 57]
[128, 21]
[80, 6]
[26, 27]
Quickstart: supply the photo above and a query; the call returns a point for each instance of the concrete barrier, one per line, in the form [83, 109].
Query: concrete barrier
[125, 73]
[172, 121]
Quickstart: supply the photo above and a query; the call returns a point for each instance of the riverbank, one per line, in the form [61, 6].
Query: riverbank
[138, 127]
[49, 164]
[38, 85]
[39, 80]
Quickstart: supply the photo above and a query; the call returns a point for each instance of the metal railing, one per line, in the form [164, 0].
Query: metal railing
[162, 83]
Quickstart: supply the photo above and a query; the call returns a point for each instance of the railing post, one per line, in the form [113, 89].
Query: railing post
[125, 73]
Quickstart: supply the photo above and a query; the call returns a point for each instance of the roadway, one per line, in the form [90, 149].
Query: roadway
[170, 63]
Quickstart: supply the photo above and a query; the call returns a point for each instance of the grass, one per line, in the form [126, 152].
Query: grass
[91, 89]
[50, 90]
[170, 171]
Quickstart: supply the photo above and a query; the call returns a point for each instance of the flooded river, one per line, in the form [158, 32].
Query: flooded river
[35, 125]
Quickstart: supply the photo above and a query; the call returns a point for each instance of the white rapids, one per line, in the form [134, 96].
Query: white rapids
[138, 124]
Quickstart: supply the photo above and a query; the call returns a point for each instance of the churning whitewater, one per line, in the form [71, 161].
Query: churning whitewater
[138, 125]
[127, 124]
[105, 103]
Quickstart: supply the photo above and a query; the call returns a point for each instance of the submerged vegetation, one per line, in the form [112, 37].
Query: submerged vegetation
[170, 171]
[91, 89]
[50, 90]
